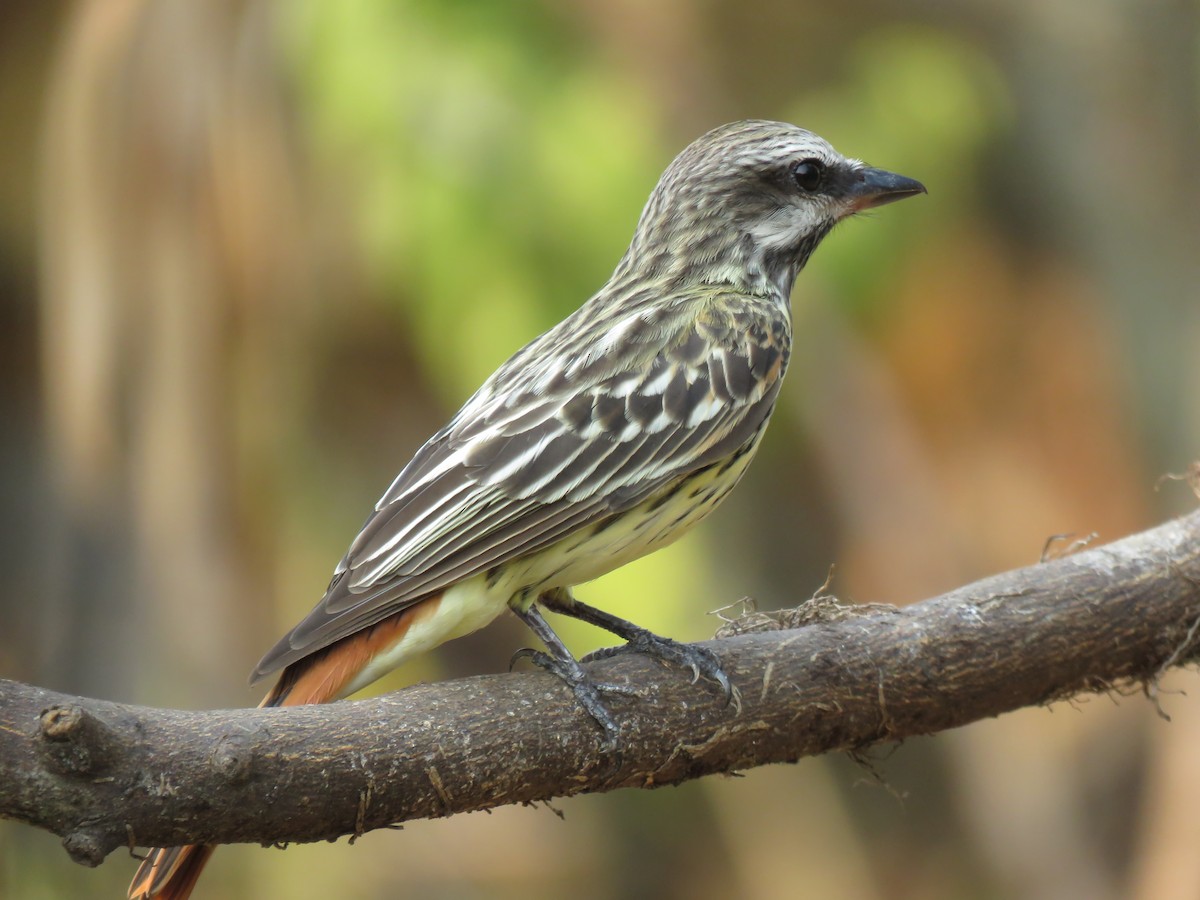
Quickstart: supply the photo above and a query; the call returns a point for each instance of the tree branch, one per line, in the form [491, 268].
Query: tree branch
[104, 775]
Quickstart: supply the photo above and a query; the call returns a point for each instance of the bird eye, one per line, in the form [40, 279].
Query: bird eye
[808, 174]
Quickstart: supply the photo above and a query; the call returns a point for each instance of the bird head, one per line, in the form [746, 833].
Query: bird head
[747, 203]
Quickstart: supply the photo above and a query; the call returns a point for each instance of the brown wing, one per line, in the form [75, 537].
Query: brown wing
[583, 427]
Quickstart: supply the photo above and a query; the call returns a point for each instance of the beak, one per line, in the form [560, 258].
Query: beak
[875, 187]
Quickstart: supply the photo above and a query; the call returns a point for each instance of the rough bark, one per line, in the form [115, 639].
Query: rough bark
[105, 775]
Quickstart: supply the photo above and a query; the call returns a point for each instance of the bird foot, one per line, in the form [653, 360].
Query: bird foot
[587, 691]
[701, 660]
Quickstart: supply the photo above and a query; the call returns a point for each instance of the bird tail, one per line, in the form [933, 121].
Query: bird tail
[170, 873]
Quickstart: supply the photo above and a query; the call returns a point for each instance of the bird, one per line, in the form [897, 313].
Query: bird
[602, 440]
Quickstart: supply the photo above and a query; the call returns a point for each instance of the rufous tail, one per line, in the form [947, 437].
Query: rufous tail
[170, 873]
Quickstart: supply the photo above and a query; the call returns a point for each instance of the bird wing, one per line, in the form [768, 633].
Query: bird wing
[582, 424]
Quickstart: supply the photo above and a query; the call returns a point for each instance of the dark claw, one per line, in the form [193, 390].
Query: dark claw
[701, 660]
[524, 653]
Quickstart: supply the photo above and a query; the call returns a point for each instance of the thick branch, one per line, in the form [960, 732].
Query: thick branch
[103, 775]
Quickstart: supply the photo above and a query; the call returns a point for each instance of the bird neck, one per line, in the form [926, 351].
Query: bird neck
[681, 260]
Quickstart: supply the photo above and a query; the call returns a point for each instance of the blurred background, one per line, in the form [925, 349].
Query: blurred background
[253, 253]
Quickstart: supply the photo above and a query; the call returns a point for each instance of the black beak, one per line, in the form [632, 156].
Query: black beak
[875, 187]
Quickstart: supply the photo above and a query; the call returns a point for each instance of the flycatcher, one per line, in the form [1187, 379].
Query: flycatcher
[603, 440]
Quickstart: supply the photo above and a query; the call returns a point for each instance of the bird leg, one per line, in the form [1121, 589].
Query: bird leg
[700, 660]
[560, 662]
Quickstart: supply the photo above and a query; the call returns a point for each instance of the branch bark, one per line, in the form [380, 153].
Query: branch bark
[104, 775]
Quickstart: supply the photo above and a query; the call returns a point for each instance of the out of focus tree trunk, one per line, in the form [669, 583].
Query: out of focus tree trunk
[175, 277]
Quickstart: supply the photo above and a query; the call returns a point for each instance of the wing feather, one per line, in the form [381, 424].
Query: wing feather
[537, 454]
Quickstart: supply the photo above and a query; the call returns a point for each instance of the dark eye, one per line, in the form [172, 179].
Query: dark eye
[808, 174]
